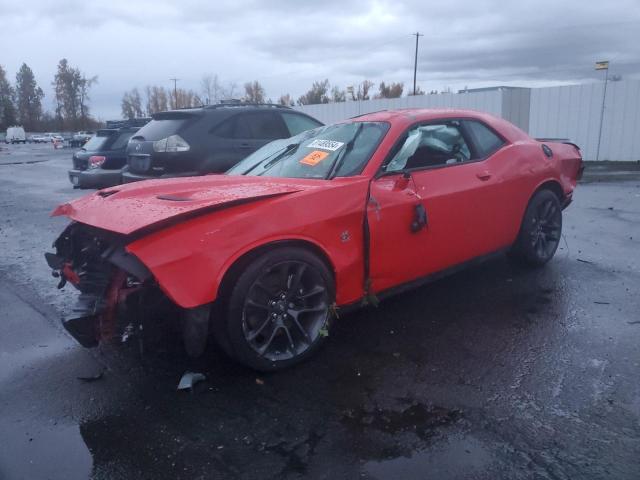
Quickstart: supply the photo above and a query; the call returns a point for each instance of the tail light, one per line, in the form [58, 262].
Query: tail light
[96, 160]
[174, 143]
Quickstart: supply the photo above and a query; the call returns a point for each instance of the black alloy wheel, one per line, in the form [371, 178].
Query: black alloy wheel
[280, 309]
[541, 229]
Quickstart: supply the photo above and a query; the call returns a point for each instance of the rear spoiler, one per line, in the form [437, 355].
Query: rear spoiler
[566, 141]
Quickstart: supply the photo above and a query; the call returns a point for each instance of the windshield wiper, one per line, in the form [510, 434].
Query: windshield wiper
[337, 162]
[289, 149]
[279, 155]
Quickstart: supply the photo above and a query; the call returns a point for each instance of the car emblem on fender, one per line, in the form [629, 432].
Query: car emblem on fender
[138, 147]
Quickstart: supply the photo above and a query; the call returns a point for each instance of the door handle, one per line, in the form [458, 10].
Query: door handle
[484, 176]
[420, 220]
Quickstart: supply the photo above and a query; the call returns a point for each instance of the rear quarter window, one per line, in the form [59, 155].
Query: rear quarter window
[96, 142]
[298, 123]
[484, 139]
[159, 129]
[121, 141]
[263, 126]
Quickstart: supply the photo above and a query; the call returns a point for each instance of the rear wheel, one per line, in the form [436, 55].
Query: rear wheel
[279, 310]
[541, 229]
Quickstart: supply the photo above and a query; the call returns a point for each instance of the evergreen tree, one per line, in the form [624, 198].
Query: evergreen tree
[28, 98]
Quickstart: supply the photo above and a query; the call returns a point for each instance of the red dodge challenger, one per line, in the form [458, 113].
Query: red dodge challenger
[261, 258]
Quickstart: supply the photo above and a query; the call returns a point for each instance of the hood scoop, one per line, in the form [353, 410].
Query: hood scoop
[173, 198]
[107, 193]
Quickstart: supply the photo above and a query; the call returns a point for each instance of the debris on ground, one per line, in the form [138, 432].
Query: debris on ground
[584, 261]
[602, 303]
[259, 381]
[189, 379]
[92, 378]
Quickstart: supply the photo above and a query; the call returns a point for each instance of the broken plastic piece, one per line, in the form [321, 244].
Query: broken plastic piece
[189, 379]
[92, 378]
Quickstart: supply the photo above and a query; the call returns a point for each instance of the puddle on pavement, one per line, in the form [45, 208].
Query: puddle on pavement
[456, 457]
[54, 452]
[417, 418]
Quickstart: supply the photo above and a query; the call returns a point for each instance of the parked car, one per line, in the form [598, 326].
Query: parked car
[99, 162]
[15, 135]
[38, 138]
[80, 138]
[209, 139]
[53, 137]
[264, 256]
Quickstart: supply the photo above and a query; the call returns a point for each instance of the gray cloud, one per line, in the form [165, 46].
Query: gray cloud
[287, 44]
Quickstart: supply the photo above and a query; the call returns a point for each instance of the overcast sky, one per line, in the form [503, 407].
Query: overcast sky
[287, 44]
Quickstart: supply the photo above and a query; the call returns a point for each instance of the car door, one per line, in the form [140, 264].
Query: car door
[431, 206]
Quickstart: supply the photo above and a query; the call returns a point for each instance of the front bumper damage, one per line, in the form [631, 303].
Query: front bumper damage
[116, 289]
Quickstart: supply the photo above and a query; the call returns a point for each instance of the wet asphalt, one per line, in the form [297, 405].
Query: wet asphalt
[494, 372]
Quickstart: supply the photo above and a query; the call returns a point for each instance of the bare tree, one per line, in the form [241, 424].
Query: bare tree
[84, 85]
[316, 94]
[211, 89]
[157, 99]
[286, 100]
[393, 90]
[132, 104]
[338, 95]
[229, 91]
[362, 93]
[185, 99]
[254, 92]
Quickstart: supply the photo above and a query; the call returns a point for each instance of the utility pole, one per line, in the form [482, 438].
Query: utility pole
[603, 65]
[175, 90]
[415, 62]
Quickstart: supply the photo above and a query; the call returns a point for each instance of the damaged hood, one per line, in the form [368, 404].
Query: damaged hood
[128, 208]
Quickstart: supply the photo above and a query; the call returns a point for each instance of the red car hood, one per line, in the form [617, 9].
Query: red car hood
[128, 208]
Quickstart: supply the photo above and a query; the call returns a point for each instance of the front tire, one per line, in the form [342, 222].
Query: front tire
[541, 229]
[280, 309]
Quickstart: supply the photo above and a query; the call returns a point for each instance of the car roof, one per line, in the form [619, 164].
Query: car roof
[226, 107]
[408, 116]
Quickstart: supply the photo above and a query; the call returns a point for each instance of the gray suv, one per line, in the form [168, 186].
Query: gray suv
[208, 139]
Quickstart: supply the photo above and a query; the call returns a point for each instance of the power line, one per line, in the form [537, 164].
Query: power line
[415, 62]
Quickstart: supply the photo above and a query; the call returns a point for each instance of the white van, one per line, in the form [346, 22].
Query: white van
[15, 135]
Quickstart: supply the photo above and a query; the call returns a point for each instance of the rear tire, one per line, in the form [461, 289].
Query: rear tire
[279, 311]
[540, 231]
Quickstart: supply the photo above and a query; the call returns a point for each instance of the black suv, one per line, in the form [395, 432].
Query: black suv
[208, 139]
[98, 164]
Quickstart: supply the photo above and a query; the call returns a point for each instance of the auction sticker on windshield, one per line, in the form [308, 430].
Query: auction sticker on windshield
[314, 158]
[325, 144]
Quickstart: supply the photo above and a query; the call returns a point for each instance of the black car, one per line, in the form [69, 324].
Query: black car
[209, 139]
[98, 164]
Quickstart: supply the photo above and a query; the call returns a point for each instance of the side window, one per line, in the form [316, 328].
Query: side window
[298, 123]
[485, 141]
[226, 129]
[121, 141]
[264, 126]
[432, 145]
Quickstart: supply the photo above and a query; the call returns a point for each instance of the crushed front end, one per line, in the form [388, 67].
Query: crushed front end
[117, 291]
